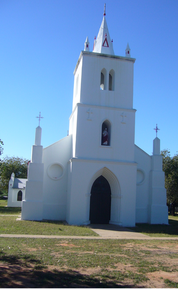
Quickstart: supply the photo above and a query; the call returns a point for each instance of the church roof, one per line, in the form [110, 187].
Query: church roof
[103, 43]
[19, 183]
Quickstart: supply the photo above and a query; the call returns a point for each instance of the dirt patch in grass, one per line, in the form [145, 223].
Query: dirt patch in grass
[157, 279]
[54, 276]
[88, 263]
[31, 249]
[124, 268]
[67, 245]
[15, 276]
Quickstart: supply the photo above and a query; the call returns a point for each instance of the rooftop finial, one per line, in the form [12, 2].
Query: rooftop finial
[104, 14]
[156, 129]
[86, 45]
[39, 117]
[127, 51]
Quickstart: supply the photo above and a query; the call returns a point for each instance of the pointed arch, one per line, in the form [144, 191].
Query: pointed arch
[115, 207]
[103, 79]
[111, 79]
[19, 196]
[100, 201]
[106, 133]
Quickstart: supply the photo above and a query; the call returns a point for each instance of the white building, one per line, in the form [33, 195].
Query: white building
[97, 174]
[16, 191]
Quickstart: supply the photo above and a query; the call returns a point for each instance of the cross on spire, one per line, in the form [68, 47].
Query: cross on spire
[156, 129]
[104, 14]
[39, 117]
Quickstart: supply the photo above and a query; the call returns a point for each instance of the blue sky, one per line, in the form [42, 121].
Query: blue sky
[40, 44]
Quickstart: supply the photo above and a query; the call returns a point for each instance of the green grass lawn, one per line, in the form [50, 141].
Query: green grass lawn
[8, 210]
[87, 263]
[10, 225]
[28, 262]
[170, 230]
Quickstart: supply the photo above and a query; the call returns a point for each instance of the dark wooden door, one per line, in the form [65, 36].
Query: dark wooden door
[100, 201]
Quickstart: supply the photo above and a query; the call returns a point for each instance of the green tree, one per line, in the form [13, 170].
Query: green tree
[11, 165]
[170, 167]
[1, 148]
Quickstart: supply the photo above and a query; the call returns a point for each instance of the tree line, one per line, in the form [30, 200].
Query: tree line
[19, 167]
[7, 167]
[170, 168]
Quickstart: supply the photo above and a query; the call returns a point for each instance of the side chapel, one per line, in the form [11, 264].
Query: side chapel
[16, 191]
[105, 178]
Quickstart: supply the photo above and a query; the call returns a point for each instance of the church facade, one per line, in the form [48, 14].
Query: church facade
[97, 174]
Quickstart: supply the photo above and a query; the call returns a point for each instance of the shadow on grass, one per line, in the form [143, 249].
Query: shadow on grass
[9, 210]
[15, 260]
[15, 272]
[171, 229]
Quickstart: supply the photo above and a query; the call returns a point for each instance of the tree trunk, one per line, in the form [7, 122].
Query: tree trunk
[173, 209]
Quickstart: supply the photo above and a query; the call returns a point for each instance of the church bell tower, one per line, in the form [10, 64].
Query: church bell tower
[103, 119]
[102, 126]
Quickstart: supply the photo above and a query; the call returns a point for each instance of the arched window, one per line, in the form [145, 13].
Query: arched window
[106, 133]
[19, 196]
[103, 79]
[111, 79]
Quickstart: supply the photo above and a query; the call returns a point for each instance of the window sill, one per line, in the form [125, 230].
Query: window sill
[104, 146]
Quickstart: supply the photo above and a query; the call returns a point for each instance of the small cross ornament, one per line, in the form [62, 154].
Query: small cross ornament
[39, 117]
[156, 129]
[123, 115]
[89, 111]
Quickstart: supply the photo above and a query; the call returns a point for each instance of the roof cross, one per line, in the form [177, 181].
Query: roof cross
[156, 129]
[104, 14]
[39, 117]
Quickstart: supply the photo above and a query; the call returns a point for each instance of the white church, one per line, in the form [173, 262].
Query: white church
[96, 174]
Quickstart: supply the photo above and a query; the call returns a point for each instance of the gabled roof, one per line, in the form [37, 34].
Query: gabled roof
[19, 183]
[103, 43]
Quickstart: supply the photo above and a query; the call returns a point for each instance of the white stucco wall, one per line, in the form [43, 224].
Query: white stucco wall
[77, 84]
[91, 107]
[93, 63]
[143, 161]
[82, 174]
[151, 193]
[12, 197]
[94, 106]
[55, 159]
[89, 131]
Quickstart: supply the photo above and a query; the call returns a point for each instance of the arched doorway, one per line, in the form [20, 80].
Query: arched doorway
[100, 202]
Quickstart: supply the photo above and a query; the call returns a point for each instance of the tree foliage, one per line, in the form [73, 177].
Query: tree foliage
[12, 165]
[170, 167]
[1, 148]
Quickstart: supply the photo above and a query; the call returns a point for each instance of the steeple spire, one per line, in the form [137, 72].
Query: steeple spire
[103, 43]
